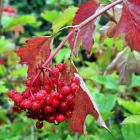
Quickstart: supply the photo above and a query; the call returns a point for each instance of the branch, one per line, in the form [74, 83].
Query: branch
[75, 29]
[100, 12]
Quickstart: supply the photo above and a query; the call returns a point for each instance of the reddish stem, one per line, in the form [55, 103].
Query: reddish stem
[76, 27]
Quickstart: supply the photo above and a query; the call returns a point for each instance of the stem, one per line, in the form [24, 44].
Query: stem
[100, 12]
[52, 55]
[57, 49]
[75, 29]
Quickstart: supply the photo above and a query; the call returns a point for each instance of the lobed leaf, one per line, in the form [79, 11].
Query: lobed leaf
[85, 34]
[35, 53]
[130, 23]
[84, 105]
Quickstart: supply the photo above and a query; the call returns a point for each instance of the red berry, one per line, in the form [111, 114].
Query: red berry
[17, 98]
[55, 103]
[64, 106]
[26, 95]
[69, 114]
[27, 104]
[40, 95]
[61, 83]
[70, 100]
[39, 124]
[35, 105]
[60, 118]
[48, 109]
[54, 72]
[76, 80]
[61, 97]
[65, 91]
[48, 100]
[51, 119]
[48, 89]
[74, 87]
[11, 93]
[28, 83]
[61, 67]
[55, 95]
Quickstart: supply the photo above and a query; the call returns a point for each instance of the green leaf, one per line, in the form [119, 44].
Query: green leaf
[131, 106]
[130, 127]
[133, 119]
[64, 19]
[2, 70]
[135, 81]
[105, 103]
[69, 138]
[50, 15]
[26, 19]
[62, 55]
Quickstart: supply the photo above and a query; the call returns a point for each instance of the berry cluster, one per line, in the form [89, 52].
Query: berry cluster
[51, 100]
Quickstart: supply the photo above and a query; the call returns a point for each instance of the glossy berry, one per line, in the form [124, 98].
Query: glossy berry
[60, 118]
[61, 67]
[74, 87]
[11, 93]
[39, 124]
[28, 83]
[48, 109]
[66, 90]
[17, 98]
[50, 99]
[76, 80]
[55, 103]
[64, 106]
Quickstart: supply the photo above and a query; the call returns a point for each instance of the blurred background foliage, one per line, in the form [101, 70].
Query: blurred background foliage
[118, 104]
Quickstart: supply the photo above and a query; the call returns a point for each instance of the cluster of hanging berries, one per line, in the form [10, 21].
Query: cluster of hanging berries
[52, 101]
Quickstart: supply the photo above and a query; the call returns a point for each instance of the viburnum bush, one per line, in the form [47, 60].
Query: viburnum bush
[58, 93]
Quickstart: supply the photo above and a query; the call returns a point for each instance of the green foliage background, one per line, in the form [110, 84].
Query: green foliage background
[119, 105]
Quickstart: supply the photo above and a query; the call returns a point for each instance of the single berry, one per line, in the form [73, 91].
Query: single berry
[66, 90]
[64, 106]
[76, 80]
[48, 109]
[69, 114]
[54, 72]
[39, 124]
[60, 118]
[28, 83]
[55, 103]
[17, 98]
[70, 100]
[35, 105]
[51, 119]
[74, 87]
[48, 100]
[11, 94]
[61, 67]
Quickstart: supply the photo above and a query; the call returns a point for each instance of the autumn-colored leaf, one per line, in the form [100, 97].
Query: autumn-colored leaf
[35, 53]
[125, 63]
[107, 30]
[18, 29]
[85, 34]
[129, 23]
[84, 105]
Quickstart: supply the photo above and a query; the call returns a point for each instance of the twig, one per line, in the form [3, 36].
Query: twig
[75, 28]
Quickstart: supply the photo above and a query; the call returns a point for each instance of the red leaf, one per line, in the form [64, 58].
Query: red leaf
[85, 34]
[84, 105]
[130, 23]
[35, 53]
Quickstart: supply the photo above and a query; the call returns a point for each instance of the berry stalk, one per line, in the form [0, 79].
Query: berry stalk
[75, 29]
